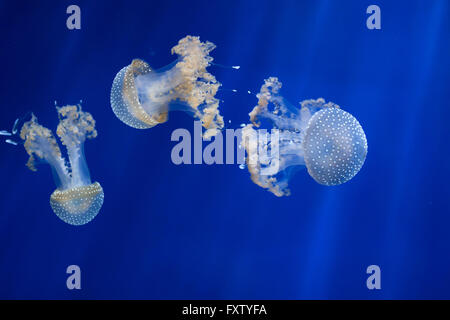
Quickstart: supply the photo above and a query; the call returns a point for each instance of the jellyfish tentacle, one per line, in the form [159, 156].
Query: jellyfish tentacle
[5, 133]
[14, 134]
[11, 142]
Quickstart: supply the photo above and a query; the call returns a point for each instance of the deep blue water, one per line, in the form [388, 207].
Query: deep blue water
[207, 231]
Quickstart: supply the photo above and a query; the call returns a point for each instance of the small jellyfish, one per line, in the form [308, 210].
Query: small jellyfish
[329, 141]
[76, 200]
[142, 97]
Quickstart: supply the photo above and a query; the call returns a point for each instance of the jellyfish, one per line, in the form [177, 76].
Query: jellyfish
[320, 136]
[141, 97]
[76, 199]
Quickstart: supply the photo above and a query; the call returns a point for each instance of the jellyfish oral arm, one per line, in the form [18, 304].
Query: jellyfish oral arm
[40, 143]
[62, 178]
[80, 172]
[55, 160]
[74, 128]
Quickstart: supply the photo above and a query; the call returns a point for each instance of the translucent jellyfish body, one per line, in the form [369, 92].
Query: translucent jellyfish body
[329, 141]
[76, 200]
[142, 97]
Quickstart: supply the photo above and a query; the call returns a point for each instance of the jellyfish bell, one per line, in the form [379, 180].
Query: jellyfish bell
[77, 205]
[76, 200]
[320, 136]
[125, 98]
[334, 146]
[142, 97]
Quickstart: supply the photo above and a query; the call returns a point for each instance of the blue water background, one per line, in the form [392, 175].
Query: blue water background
[206, 231]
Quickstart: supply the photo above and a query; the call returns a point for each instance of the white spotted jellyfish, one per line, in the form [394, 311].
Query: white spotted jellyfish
[329, 141]
[76, 199]
[141, 97]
